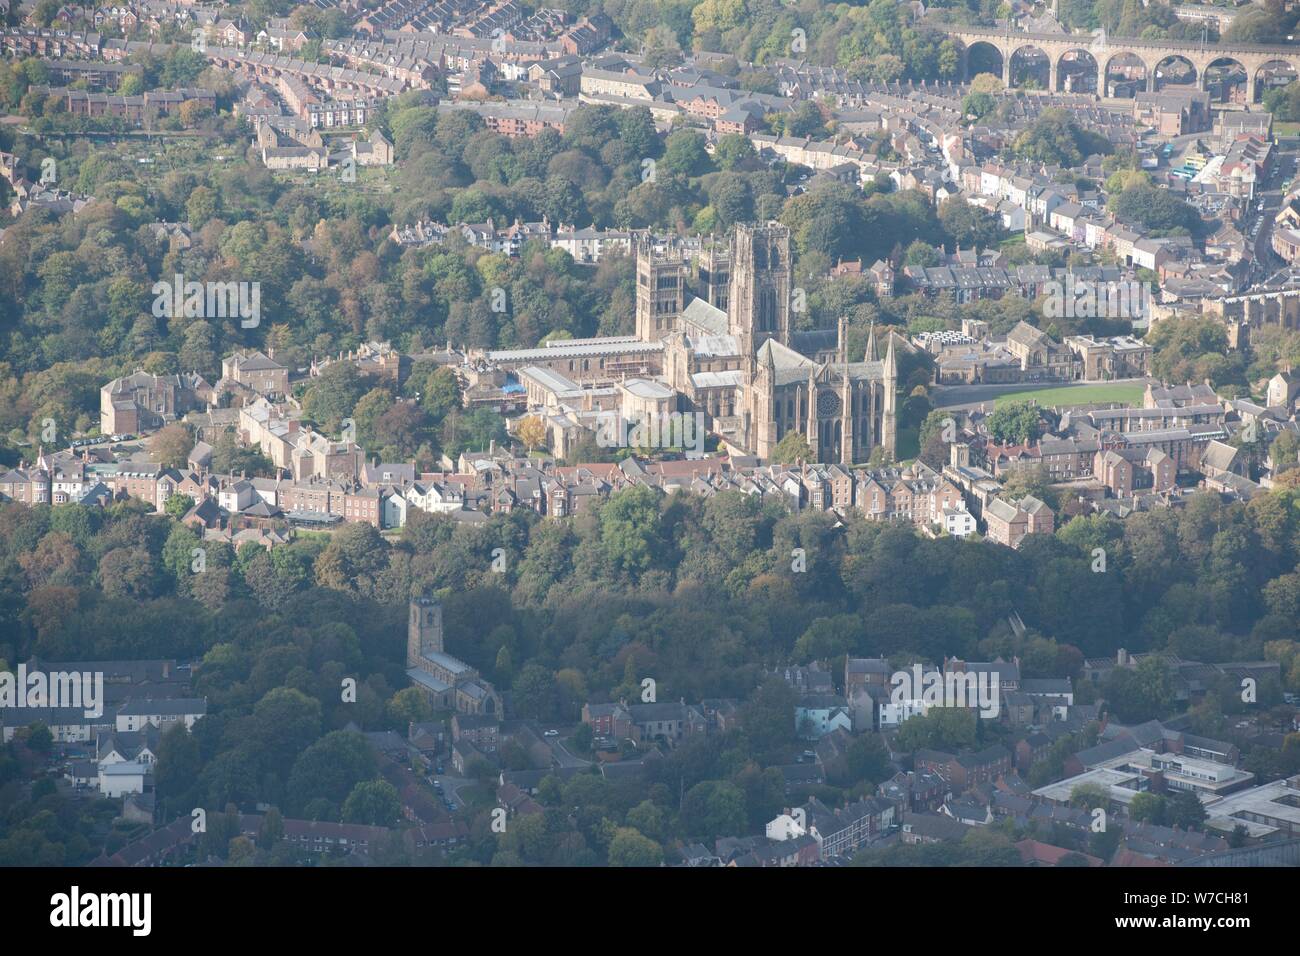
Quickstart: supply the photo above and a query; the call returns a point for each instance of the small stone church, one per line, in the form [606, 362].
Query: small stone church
[448, 682]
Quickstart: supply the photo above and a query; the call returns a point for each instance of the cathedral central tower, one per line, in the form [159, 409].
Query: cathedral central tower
[758, 303]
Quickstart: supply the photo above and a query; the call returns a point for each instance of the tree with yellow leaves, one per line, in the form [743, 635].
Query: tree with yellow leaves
[532, 432]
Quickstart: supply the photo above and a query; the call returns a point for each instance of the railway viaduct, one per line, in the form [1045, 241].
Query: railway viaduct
[1151, 54]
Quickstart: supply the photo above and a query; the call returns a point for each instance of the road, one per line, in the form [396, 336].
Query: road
[562, 754]
[451, 787]
[1265, 261]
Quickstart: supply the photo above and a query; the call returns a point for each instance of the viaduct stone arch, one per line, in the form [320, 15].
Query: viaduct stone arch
[1252, 56]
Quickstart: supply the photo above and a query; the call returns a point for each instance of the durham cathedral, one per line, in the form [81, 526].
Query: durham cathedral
[714, 336]
[730, 351]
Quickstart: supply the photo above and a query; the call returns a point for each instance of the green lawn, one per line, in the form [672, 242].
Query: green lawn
[1127, 393]
[475, 796]
[907, 445]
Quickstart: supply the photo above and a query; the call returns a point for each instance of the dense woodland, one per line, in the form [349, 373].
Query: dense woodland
[698, 594]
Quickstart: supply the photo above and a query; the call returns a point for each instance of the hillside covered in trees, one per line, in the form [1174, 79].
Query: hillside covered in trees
[699, 594]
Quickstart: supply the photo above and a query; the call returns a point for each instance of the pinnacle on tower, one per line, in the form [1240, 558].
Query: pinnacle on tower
[811, 426]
